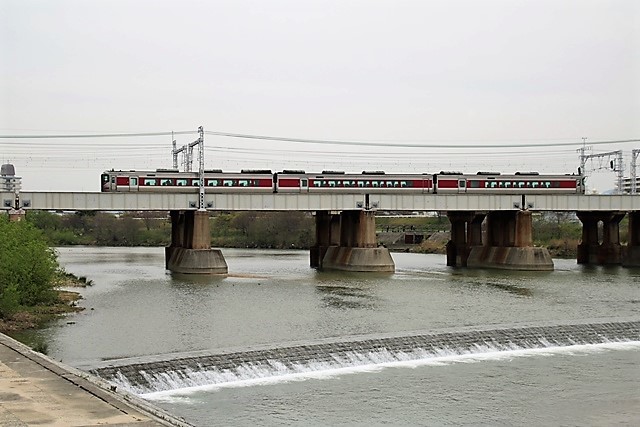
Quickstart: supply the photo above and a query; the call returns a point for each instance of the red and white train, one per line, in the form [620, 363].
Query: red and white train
[288, 181]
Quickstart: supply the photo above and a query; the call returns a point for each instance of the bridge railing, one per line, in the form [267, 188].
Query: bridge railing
[78, 201]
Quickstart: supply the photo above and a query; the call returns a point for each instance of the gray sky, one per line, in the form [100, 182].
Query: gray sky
[432, 73]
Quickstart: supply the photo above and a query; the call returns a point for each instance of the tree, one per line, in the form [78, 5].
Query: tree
[27, 266]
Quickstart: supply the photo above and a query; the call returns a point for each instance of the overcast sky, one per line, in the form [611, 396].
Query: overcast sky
[428, 73]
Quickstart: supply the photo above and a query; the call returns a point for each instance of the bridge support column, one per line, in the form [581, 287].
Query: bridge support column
[327, 234]
[190, 250]
[632, 256]
[466, 231]
[509, 244]
[592, 249]
[358, 249]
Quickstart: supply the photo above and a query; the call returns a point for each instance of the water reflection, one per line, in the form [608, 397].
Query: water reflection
[513, 289]
[346, 297]
[178, 279]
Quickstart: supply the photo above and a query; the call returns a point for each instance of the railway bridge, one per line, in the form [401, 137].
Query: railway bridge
[345, 224]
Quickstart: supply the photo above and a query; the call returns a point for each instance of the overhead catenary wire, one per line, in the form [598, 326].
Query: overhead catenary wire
[396, 143]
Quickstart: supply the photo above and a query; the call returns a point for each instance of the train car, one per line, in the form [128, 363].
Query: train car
[518, 183]
[170, 180]
[341, 182]
[297, 181]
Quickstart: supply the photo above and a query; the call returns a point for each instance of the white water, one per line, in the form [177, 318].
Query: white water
[171, 385]
[139, 311]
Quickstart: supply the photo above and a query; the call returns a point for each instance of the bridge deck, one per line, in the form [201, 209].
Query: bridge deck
[78, 201]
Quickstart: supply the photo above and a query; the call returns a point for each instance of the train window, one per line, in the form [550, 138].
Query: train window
[331, 183]
[303, 183]
[227, 182]
[166, 182]
[149, 181]
[195, 183]
[113, 179]
[105, 178]
[181, 182]
[317, 183]
[361, 184]
[134, 181]
[463, 184]
[375, 184]
[212, 182]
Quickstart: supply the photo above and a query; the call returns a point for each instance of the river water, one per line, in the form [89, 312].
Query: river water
[137, 309]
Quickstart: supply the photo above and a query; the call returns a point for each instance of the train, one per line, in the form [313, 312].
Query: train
[298, 181]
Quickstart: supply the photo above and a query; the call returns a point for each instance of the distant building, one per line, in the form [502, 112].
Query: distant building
[8, 180]
[626, 186]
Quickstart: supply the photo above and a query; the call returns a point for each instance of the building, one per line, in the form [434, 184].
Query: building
[8, 180]
[627, 187]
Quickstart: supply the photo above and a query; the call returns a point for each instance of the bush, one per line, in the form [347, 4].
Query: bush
[27, 266]
[9, 302]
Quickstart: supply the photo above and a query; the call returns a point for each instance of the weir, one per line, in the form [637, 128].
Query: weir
[210, 368]
[348, 242]
[190, 251]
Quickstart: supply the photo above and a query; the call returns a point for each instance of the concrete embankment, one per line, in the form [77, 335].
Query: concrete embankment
[36, 390]
[186, 370]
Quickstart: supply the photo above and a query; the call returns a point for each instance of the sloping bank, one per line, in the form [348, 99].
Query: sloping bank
[38, 390]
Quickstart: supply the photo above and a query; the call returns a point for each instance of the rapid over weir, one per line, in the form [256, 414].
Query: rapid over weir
[202, 369]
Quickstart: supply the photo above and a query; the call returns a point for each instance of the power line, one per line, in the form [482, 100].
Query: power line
[98, 135]
[401, 144]
[385, 144]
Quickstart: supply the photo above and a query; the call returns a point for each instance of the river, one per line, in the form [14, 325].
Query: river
[136, 309]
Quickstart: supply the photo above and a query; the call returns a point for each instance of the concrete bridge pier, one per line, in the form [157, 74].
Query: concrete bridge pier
[509, 244]
[632, 256]
[190, 250]
[466, 231]
[605, 250]
[358, 249]
[327, 234]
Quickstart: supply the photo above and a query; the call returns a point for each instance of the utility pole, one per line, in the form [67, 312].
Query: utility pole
[174, 152]
[614, 162]
[187, 151]
[201, 168]
[187, 154]
[583, 156]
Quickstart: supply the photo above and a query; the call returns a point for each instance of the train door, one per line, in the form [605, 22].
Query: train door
[304, 185]
[462, 185]
[133, 183]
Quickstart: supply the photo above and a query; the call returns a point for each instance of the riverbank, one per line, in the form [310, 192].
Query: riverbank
[38, 390]
[33, 317]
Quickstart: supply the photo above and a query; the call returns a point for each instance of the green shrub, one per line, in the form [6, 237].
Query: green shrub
[9, 302]
[27, 265]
